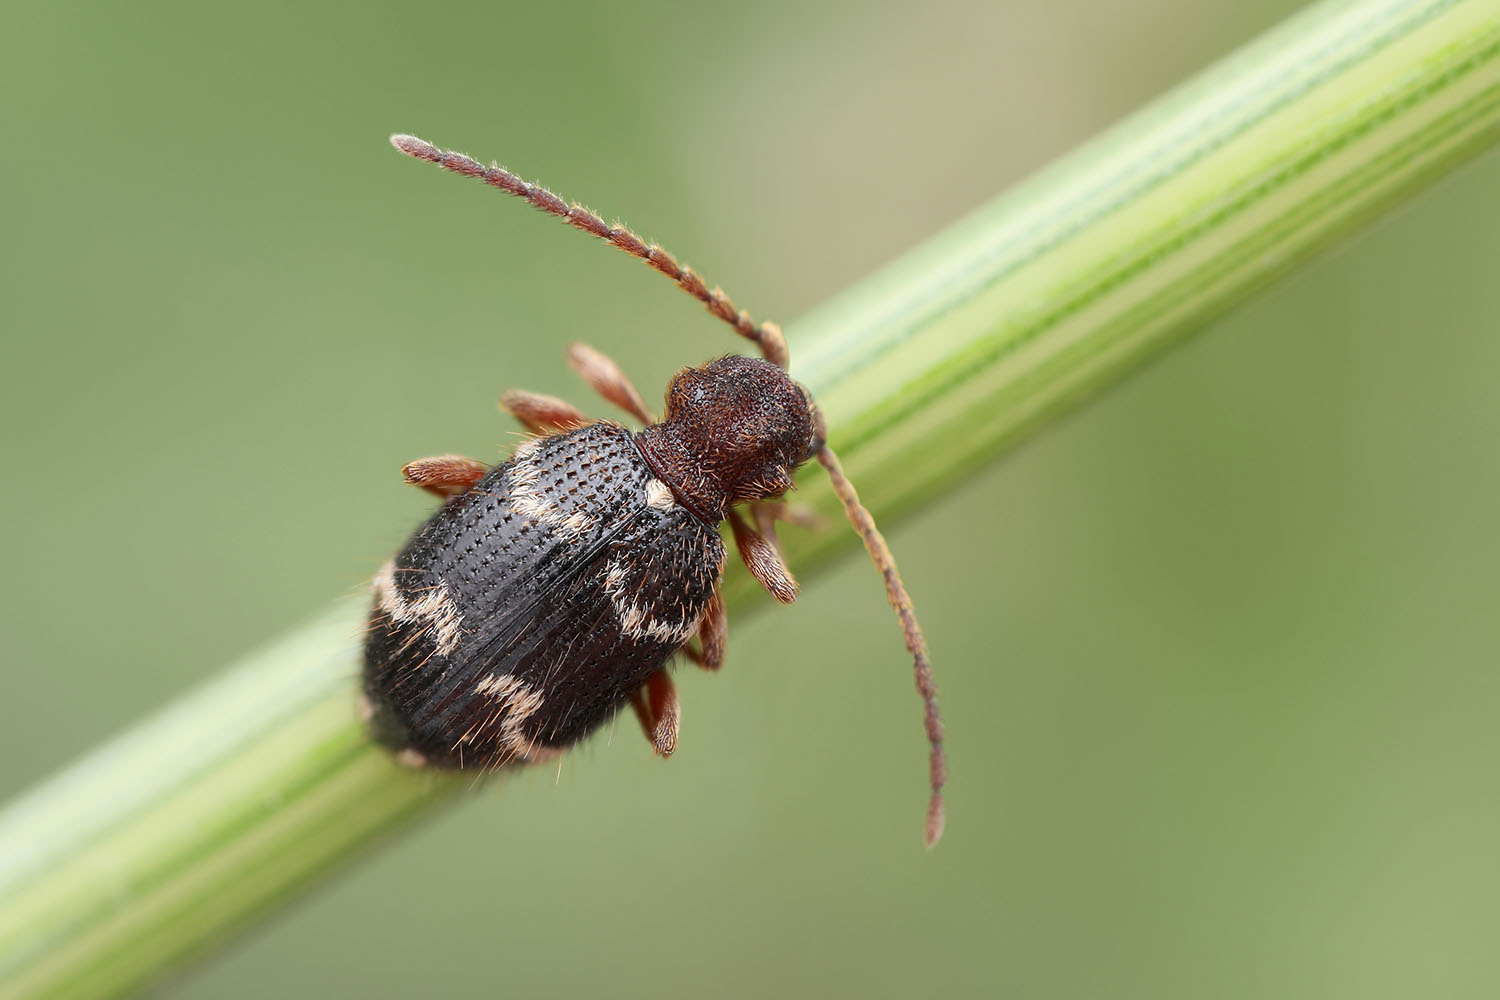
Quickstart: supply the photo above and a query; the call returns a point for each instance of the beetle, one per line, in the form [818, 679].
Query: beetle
[548, 592]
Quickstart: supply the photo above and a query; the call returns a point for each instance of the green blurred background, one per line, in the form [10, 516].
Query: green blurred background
[1217, 655]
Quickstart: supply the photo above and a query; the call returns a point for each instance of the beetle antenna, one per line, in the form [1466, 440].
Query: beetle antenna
[766, 336]
[895, 591]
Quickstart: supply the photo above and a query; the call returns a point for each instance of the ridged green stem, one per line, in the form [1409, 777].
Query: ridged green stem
[167, 840]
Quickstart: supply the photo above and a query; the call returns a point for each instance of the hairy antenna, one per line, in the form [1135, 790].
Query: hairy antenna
[895, 591]
[767, 336]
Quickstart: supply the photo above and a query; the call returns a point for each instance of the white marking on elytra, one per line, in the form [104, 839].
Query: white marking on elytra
[529, 500]
[434, 609]
[526, 449]
[659, 495]
[635, 620]
[516, 701]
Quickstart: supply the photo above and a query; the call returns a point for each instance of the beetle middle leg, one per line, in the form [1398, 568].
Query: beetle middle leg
[608, 379]
[446, 476]
[656, 705]
[541, 414]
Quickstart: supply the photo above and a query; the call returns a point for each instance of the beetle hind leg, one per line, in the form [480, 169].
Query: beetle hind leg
[713, 635]
[656, 705]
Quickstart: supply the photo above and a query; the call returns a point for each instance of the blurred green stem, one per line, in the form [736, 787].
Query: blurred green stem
[167, 840]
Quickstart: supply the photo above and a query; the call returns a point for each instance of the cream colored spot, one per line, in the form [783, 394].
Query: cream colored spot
[528, 500]
[523, 749]
[434, 609]
[516, 701]
[635, 620]
[659, 495]
[411, 758]
[576, 523]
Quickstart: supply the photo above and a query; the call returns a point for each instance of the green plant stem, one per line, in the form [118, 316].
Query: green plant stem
[167, 840]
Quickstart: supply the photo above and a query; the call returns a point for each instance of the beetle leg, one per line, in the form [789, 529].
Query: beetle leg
[541, 414]
[768, 512]
[608, 380]
[656, 705]
[763, 559]
[445, 475]
[713, 635]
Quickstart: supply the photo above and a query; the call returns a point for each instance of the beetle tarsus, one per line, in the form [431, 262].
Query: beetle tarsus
[763, 559]
[659, 711]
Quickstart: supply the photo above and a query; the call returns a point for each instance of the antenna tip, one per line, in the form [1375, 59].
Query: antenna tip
[937, 817]
[412, 146]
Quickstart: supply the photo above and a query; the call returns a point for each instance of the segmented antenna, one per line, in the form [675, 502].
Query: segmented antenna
[766, 336]
[895, 592]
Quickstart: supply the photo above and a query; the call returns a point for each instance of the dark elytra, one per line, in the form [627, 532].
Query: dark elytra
[551, 590]
[529, 603]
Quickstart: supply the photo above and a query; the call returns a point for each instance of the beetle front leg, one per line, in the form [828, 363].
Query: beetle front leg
[606, 378]
[446, 476]
[763, 559]
[768, 512]
[656, 705]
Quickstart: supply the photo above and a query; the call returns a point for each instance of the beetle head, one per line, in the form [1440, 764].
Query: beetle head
[745, 422]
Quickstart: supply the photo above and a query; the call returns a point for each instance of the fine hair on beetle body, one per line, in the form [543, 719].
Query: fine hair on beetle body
[550, 591]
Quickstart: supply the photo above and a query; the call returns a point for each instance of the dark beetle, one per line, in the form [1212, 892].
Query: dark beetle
[551, 590]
